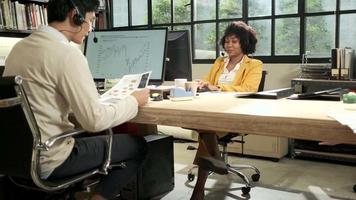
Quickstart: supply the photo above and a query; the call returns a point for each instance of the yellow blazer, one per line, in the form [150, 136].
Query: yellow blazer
[247, 78]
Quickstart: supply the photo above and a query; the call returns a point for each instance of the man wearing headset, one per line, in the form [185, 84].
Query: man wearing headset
[58, 82]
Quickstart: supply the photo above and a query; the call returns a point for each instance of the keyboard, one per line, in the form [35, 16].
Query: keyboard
[203, 89]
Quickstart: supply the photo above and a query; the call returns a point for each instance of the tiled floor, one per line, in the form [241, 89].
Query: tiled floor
[288, 179]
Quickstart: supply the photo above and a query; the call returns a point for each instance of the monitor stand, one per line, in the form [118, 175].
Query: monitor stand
[154, 82]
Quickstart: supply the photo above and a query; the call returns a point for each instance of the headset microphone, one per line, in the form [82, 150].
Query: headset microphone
[95, 39]
[78, 18]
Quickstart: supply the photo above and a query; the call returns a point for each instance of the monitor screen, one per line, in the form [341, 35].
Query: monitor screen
[6, 44]
[115, 53]
[179, 56]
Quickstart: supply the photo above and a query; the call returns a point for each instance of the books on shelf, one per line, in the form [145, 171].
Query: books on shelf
[342, 60]
[15, 15]
[29, 14]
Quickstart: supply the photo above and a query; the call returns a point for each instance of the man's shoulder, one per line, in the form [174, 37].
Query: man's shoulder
[49, 41]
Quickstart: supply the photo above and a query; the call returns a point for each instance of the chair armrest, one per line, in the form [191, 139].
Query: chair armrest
[48, 143]
[107, 160]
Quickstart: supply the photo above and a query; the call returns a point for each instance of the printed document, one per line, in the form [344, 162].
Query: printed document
[127, 84]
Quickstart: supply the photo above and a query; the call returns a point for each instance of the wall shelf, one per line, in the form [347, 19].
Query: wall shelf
[14, 33]
[32, 1]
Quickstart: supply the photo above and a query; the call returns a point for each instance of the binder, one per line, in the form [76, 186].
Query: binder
[330, 95]
[271, 94]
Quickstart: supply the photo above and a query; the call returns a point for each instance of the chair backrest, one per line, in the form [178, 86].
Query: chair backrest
[17, 127]
[20, 141]
[262, 82]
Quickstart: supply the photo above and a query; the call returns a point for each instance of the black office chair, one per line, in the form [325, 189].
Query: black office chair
[21, 144]
[224, 141]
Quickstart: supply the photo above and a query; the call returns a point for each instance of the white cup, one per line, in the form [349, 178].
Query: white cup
[191, 86]
[180, 82]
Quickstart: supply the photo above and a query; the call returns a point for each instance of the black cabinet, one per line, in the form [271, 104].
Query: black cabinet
[312, 149]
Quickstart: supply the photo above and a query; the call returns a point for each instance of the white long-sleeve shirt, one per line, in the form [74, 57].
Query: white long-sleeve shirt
[57, 81]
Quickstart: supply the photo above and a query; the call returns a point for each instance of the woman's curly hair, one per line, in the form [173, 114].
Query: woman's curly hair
[245, 33]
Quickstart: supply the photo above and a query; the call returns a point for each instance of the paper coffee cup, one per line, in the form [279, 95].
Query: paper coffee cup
[180, 82]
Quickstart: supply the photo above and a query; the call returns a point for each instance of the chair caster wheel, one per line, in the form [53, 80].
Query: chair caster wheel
[191, 177]
[255, 177]
[354, 188]
[246, 190]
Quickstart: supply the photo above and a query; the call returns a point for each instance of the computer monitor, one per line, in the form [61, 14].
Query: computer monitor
[114, 53]
[179, 56]
[6, 44]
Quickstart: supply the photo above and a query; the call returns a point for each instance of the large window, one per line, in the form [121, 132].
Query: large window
[319, 31]
[204, 41]
[286, 29]
[161, 10]
[287, 37]
[259, 8]
[230, 9]
[120, 13]
[181, 11]
[320, 5]
[139, 11]
[348, 32]
[263, 30]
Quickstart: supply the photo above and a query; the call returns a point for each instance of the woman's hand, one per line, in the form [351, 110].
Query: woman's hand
[208, 85]
[213, 87]
[202, 84]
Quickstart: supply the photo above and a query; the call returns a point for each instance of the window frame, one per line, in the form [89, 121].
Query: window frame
[301, 14]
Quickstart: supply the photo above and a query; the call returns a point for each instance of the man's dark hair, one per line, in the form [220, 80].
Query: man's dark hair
[58, 9]
[244, 33]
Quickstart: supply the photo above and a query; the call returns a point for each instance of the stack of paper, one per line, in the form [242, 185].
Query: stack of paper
[345, 117]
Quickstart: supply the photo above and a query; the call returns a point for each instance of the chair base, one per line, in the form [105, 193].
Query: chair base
[236, 171]
[231, 169]
[212, 164]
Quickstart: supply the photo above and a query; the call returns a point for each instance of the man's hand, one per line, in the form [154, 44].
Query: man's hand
[141, 96]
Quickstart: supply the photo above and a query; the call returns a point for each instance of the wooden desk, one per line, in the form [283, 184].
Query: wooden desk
[300, 119]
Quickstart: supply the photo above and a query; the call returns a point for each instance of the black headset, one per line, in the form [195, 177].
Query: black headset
[78, 18]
